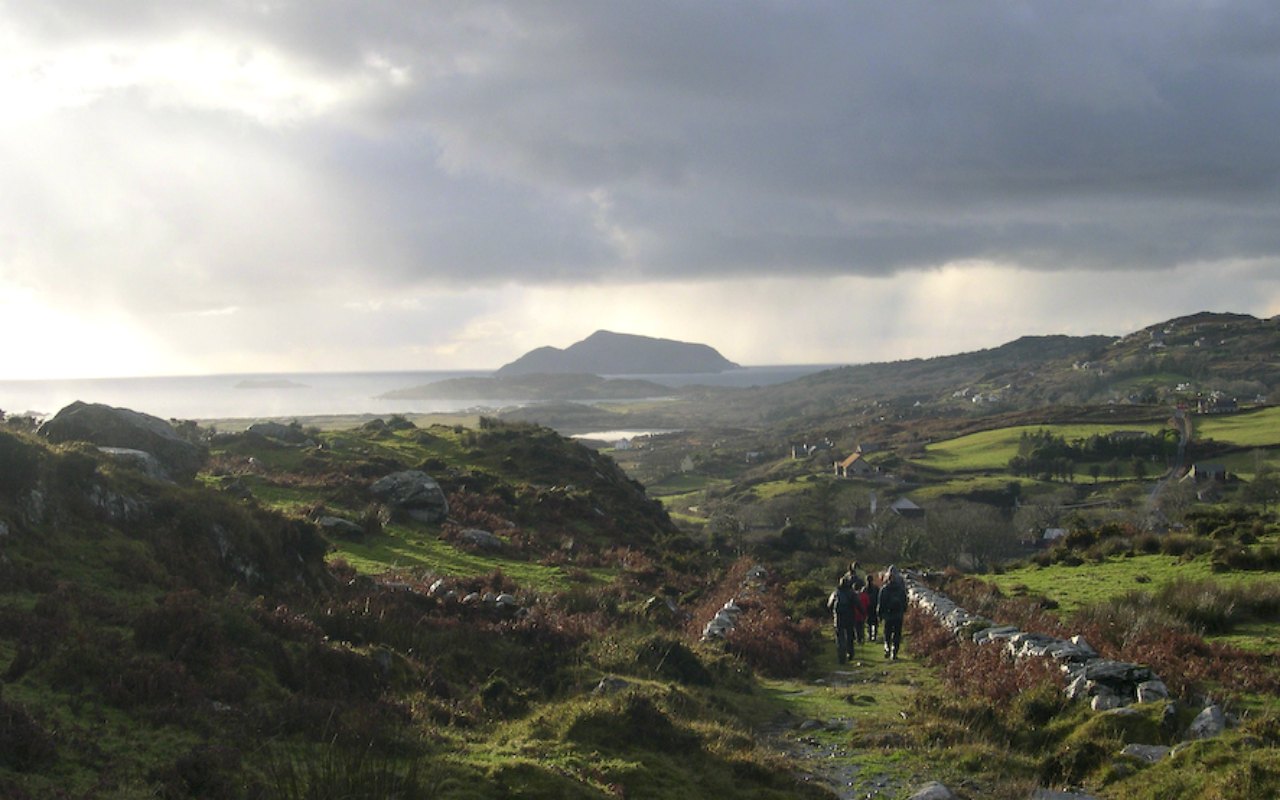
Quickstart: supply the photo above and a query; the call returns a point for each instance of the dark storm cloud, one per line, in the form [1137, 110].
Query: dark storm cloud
[575, 141]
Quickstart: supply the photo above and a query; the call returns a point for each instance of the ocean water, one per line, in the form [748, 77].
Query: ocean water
[262, 395]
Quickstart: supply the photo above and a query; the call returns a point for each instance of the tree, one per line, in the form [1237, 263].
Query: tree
[1264, 489]
[1139, 468]
[1095, 469]
[962, 531]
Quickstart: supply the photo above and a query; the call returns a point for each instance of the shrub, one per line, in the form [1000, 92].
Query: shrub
[673, 660]
[25, 746]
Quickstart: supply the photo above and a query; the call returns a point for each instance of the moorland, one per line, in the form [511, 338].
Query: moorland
[275, 625]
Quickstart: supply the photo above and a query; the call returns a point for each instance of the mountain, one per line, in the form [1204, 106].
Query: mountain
[608, 353]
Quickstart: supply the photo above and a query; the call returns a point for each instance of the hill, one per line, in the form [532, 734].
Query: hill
[288, 626]
[1139, 375]
[607, 353]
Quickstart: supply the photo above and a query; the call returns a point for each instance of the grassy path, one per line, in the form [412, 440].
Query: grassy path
[843, 726]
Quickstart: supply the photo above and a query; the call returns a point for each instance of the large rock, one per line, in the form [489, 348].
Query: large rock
[290, 434]
[413, 493]
[1208, 723]
[107, 426]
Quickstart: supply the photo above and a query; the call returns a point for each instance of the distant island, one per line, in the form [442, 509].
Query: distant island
[608, 353]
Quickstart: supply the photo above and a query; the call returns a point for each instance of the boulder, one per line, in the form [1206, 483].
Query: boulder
[413, 493]
[289, 434]
[337, 526]
[107, 426]
[1207, 724]
[481, 538]
[1150, 753]
[1152, 691]
[140, 460]
[933, 791]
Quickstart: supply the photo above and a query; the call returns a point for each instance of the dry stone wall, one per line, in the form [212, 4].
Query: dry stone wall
[1104, 683]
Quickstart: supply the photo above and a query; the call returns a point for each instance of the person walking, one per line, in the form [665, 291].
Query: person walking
[873, 598]
[842, 606]
[890, 608]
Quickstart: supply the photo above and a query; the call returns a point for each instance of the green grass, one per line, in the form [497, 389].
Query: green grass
[404, 548]
[1075, 587]
[991, 450]
[1250, 429]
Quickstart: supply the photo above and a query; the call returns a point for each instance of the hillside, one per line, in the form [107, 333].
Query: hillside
[608, 353]
[288, 627]
[1184, 360]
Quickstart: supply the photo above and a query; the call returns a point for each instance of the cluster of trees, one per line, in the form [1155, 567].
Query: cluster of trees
[1042, 454]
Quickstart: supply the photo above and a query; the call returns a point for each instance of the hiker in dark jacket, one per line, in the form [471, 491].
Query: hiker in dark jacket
[873, 597]
[890, 608]
[843, 606]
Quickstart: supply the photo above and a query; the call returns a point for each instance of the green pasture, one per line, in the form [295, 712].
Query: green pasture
[1099, 582]
[1251, 429]
[991, 450]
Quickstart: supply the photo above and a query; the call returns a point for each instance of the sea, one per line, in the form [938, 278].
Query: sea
[308, 394]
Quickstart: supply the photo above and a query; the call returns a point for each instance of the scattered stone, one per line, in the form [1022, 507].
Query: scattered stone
[1208, 723]
[4, 529]
[506, 600]
[1053, 794]
[611, 684]
[1150, 753]
[933, 791]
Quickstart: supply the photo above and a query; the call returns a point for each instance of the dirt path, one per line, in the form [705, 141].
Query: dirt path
[841, 725]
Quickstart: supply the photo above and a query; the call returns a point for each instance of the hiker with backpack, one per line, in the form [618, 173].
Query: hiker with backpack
[844, 607]
[891, 608]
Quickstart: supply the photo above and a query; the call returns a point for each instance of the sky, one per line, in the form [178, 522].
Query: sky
[226, 186]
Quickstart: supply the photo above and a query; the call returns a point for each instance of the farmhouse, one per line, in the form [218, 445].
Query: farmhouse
[855, 466]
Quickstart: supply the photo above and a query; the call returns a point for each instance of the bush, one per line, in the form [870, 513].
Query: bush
[25, 746]
[673, 660]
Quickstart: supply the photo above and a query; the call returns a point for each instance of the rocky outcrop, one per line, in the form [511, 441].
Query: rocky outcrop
[414, 494]
[107, 426]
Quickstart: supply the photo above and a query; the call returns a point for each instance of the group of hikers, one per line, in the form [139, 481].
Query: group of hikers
[863, 603]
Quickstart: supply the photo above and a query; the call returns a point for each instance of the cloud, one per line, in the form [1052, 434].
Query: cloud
[302, 160]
